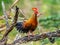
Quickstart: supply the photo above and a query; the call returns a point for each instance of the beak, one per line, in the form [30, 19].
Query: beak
[39, 14]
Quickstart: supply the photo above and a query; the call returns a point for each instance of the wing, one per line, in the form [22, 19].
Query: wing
[27, 25]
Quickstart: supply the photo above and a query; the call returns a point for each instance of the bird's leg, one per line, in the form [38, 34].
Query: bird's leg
[28, 34]
[32, 33]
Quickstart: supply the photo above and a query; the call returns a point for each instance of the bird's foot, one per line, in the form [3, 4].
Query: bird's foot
[33, 34]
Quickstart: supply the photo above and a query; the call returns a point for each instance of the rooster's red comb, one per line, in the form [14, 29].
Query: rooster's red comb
[35, 9]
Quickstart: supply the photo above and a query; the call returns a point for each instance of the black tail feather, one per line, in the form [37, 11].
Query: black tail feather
[19, 26]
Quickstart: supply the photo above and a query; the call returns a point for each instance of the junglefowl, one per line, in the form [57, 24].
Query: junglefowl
[29, 25]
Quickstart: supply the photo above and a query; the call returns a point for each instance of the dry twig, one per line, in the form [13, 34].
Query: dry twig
[11, 27]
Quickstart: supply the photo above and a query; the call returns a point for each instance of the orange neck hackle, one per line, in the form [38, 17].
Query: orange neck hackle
[33, 18]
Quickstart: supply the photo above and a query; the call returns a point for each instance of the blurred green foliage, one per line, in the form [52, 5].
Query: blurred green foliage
[50, 20]
[53, 20]
[7, 4]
